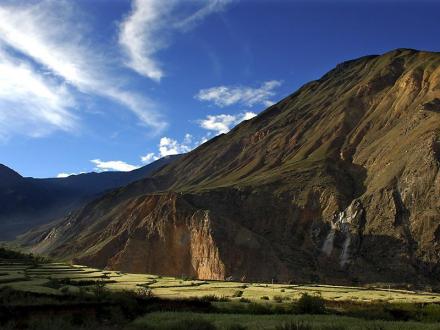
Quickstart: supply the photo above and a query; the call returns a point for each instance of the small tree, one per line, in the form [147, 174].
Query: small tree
[99, 288]
[309, 304]
[144, 292]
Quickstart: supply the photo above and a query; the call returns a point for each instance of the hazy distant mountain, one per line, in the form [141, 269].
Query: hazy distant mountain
[28, 202]
[339, 182]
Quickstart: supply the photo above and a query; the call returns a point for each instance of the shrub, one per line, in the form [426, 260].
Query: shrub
[237, 294]
[309, 304]
[143, 292]
[294, 326]
[373, 311]
[431, 313]
[374, 327]
[99, 288]
[254, 308]
[65, 290]
[264, 298]
[6, 253]
[245, 300]
[211, 298]
[192, 324]
[278, 299]
[236, 327]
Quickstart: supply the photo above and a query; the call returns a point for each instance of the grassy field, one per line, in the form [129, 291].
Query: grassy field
[40, 278]
[159, 302]
[167, 320]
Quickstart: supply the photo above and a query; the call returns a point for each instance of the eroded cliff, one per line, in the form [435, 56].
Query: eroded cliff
[339, 182]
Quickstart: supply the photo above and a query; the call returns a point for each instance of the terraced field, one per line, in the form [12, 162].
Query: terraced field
[59, 278]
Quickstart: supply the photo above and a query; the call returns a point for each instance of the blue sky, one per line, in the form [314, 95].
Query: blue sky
[114, 84]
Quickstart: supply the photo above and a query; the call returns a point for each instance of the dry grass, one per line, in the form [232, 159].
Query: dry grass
[35, 278]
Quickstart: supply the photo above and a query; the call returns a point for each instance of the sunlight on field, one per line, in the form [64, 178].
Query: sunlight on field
[40, 278]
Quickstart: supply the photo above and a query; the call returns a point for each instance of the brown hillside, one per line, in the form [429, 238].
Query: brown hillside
[338, 182]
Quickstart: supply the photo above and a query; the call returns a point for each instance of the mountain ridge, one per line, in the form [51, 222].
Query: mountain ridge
[8, 176]
[338, 182]
[27, 202]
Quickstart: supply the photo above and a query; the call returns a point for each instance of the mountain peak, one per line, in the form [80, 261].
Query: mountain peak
[8, 176]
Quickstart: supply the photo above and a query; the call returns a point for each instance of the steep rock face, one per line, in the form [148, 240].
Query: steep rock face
[158, 238]
[339, 182]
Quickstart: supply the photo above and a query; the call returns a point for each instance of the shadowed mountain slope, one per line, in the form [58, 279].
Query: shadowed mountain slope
[339, 182]
[29, 202]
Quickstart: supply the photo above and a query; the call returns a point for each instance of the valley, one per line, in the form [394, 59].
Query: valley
[64, 289]
[61, 278]
[219, 165]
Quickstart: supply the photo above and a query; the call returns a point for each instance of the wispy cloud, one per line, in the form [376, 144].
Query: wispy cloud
[224, 122]
[49, 40]
[223, 96]
[113, 165]
[211, 6]
[31, 103]
[149, 26]
[138, 36]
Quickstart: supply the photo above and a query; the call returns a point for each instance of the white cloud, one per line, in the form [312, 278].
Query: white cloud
[219, 123]
[137, 36]
[168, 146]
[112, 165]
[64, 175]
[49, 39]
[246, 116]
[223, 123]
[223, 96]
[149, 158]
[31, 103]
[147, 29]
[188, 138]
[214, 124]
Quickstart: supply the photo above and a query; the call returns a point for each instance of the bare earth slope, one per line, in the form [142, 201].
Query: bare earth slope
[339, 182]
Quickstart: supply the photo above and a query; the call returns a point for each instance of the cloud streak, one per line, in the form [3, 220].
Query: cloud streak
[224, 96]
[149, 26]
[30, 102]
[48, 39]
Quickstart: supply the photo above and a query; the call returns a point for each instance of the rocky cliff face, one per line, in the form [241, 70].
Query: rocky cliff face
[339, 182]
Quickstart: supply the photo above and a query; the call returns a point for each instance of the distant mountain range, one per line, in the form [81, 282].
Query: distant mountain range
[337, 183]
[28, 202]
